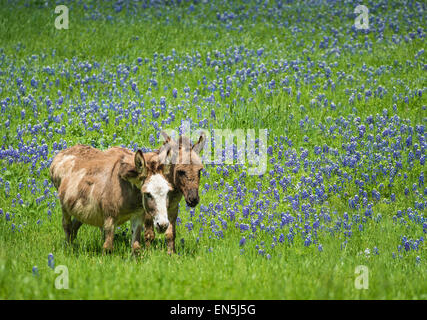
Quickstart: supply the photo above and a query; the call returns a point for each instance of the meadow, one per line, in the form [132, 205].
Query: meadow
[345, 110]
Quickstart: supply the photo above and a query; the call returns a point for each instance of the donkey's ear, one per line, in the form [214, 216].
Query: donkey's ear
[198, 146]
[165, 159]
[140, 163]
[165, 136]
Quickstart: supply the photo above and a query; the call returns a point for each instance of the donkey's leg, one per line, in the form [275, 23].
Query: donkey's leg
[170, 236]
[137, 226]
[109, 225]
[75, 226]
[171, 230]
[66, 224]
[149, 230]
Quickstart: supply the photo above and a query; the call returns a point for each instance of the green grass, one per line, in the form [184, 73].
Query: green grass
[199, 273]
[207, 268]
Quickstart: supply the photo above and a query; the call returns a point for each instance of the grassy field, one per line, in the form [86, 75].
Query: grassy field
[345, 111]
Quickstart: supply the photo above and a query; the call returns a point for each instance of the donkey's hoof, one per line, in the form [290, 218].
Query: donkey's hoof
[106, 249]
[136, 248]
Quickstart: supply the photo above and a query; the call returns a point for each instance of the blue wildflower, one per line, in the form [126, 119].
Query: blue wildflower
[50, 261]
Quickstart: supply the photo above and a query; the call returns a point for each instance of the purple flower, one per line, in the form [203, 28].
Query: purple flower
[152, 139]
[50, 261]
[242, 241]
[307, 241]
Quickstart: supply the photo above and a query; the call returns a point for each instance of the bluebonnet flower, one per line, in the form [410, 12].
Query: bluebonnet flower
[50, 261]
[152, 139]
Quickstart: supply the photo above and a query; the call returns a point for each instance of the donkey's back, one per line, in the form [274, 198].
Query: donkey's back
[85, 157]
[65, 161]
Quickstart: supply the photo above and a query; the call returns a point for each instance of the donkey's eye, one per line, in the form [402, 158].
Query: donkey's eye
[149, 196]
[181, 173]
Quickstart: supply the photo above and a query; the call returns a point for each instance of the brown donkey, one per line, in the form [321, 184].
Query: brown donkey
[107, 188]
[184, 176]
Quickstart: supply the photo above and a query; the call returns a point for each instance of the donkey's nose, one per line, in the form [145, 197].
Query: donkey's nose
[193, 198]
[193, 202]
[161, 227]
